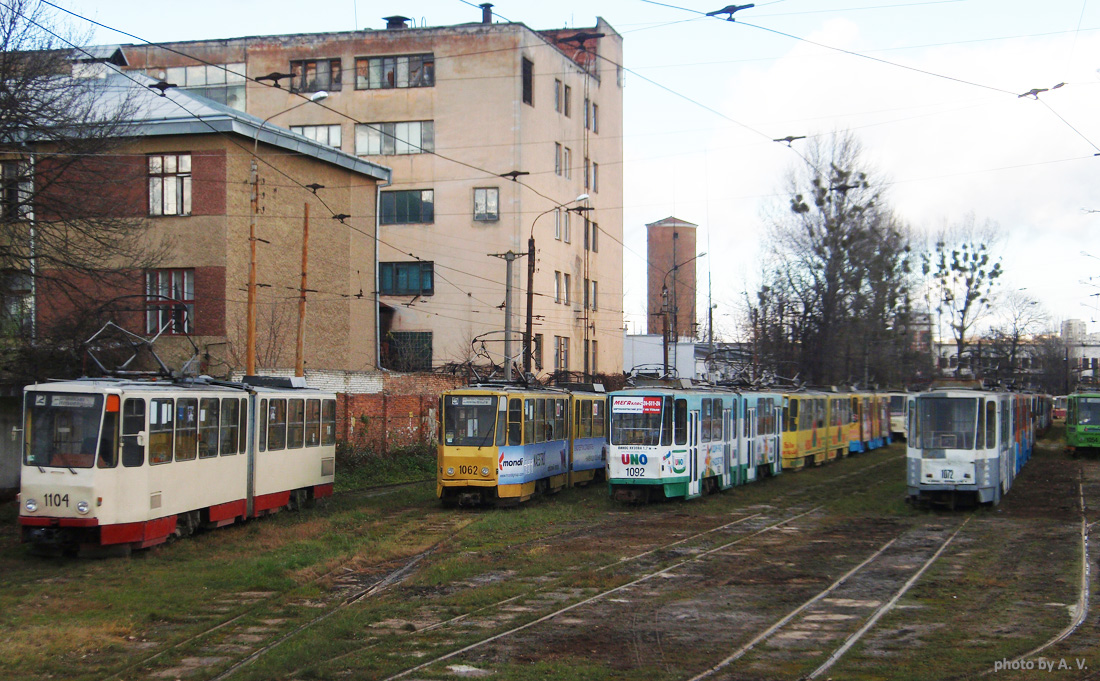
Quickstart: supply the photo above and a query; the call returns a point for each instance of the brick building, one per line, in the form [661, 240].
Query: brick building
[670, 278]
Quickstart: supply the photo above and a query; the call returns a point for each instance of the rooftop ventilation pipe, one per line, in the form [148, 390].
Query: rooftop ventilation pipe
[395, 23]
[486, 12]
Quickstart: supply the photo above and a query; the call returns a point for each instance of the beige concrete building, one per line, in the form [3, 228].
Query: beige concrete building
[492, 132]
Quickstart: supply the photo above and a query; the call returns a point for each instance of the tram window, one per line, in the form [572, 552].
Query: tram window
[680, 422]
[544, 422]
[313, 423]
[263, 425]
[914, 428]
[529, 421]
[666, 423]
[585, 407]
[276, 425]
[108, 437]
[706, 409]
[328, 422]
[295, 424]
[1004, 423]
[515, 422]
[990, 424]
[161, 423]
[979, 441]
[133, 422]
[559, 419]
[187, 429]
[502, 419]
[208, 427]
[230, 425]
[599, 416]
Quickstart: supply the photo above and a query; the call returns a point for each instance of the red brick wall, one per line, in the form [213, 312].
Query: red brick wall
[403, 414]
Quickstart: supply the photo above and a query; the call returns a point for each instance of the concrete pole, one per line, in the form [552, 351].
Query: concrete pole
[299, 352]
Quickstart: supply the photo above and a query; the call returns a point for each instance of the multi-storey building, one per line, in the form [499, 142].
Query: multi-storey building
[493, 132]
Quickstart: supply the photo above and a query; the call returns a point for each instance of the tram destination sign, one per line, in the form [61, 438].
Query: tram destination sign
[629, 404]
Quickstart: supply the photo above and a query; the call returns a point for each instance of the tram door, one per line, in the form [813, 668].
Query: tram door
[728, 451]
[750, 441]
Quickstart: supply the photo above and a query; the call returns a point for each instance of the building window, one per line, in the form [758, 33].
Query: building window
[595, 290]
[415, 278]
[565, 286]
[567, 109]
[592, 362]
[407, 207]
[557, 158]
[170, 184]
[589, 294]
[586, 174]
[223, 83]
[557, 95]
[595, 238]
[16, 304]
[487, 204]
[557, 224]
[528, 77]
[567, 162]
[595, 118]
[585, 295]
[170, 301]
[394, 139]
[587, 117]
[595, 177]
[561, 353]
[565, 231]
[536, 352]
[16, 190]
[313, 75]
[407, 350]
[413, 70]
[329, 135]
[557, 287]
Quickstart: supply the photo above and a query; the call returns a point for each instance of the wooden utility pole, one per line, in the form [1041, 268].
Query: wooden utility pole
[299, 353]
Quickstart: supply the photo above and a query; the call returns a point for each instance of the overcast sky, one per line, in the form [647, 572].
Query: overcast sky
[942, 123]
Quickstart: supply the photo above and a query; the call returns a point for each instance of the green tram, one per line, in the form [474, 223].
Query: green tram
[1083, 422]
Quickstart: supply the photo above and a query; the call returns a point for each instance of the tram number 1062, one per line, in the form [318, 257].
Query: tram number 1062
[635, 472]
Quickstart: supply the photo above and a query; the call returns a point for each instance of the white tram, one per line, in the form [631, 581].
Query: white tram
[128, 464]
[967, 443]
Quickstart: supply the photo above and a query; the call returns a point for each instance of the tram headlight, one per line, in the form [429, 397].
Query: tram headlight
[31, 505]
[82, 507]
[450, 471]
[484, 470]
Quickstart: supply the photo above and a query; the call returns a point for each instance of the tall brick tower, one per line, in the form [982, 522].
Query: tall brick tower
[671, 251]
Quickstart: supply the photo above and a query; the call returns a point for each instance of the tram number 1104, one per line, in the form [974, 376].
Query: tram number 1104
[56, 500]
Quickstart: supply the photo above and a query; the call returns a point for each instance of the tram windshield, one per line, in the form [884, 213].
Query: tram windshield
[897, 403]
[469, 420]
[636, 420]
[947, 422]
[1088, 411]
[62, 429]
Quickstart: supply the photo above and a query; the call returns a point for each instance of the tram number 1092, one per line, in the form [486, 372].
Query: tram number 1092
[635, 472]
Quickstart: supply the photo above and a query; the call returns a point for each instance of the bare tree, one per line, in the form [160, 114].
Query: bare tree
[72, 207]
[963, 274]
[841, 267]
[1019, 318]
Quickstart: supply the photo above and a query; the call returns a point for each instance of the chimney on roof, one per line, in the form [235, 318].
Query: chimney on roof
[395, 22]
[486, 12]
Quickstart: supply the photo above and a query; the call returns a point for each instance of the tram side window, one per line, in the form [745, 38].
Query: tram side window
[313, 423]
[263, 425]
[108, 437]
[990, 424]
[559, 419]
[979, 441]
[208, 427]
[187, 428]
[502, 420]
[599, 415]
[230, 425]
[1005, 433]
[666, 422]
[706, 412]
[161, 430]
[529, 421]
[733, 422]
[328, 422]
[515, 422]
[584, 416]
[133, 422]
[680, 422]
[914, 427]
[276, 425]
[295, 424]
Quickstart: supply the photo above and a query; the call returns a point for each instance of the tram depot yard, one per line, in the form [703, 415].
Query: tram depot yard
[824, 574]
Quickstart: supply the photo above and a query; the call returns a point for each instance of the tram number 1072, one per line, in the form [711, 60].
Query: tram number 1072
[635, 472]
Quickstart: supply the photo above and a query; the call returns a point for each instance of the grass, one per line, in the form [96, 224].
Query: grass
[362, 468]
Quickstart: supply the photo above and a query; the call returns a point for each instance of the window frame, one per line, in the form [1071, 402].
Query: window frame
[527, 81]
[368, 66]
[178, 303]
[310, 132]
[160, 173]
[395, 270]
[389, 214]
[491, 197]
[330, 79]
[395, 138]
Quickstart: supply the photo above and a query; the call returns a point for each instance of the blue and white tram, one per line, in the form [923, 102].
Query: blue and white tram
[966, 444]
[125, 464]
[684, 442]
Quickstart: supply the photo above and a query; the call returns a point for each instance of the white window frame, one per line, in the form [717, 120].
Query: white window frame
[169, 184]
[486, 204]
[328, 135]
